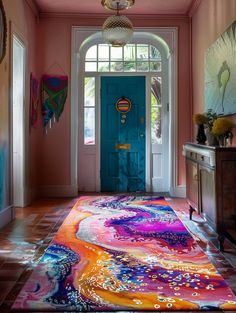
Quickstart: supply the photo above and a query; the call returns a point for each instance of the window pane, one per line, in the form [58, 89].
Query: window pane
[91, 54]
[129, 66]
[103, 66]
[154, 53]
[142, 52]
[116, 66]
[156, 91]
[148, 58]
[129, 52]
[156, 88]
[155, 66]
[103, 52]
[89, 126]
[116, 53]
[90, 66]
[89, 91]
[143, 66]
[153, 99]
[156, 125]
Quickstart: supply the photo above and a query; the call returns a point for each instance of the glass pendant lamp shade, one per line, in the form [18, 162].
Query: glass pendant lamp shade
[117, 30]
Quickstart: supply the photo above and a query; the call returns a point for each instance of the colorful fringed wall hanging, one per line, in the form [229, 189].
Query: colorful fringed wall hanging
[34, 100]
[54, 94]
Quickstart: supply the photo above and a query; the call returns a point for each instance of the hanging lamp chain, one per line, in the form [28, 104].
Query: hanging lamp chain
[117, 9]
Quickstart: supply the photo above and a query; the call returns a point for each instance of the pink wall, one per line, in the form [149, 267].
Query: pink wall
[54, 57]
[209, 21]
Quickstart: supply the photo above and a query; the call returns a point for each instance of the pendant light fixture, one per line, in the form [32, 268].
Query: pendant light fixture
[117, 30]
[112, 4]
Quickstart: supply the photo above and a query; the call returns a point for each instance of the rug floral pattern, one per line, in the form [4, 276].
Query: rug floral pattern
[116, 253]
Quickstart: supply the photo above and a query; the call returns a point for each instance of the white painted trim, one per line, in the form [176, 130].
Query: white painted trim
[74, 112]
[7, 215]
[15, 32]
[58, 191]
[148, 155]
[86, 35]
[97, 130]
[178, 191]
[173, 87]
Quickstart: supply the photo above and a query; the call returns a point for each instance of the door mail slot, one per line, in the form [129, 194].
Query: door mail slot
[123, 146]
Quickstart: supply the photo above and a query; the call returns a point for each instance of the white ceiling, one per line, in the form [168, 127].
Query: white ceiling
[169, 7]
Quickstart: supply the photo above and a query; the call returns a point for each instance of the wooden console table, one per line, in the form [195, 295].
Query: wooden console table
[211, 187]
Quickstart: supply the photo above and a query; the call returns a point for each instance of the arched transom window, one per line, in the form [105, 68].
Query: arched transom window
[130, 58]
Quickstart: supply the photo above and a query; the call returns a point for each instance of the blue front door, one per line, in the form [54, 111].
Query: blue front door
[123, 134]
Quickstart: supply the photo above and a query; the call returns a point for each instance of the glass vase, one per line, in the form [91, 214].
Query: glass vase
[222, 141]
[201, 136]
[211, 139]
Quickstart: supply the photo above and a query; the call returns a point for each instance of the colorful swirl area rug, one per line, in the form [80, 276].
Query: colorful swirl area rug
[124, 253]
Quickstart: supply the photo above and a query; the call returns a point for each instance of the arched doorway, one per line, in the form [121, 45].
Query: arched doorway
[90, 68]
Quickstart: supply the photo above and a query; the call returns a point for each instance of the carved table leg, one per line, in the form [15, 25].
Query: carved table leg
[191, 210]
[221, 239]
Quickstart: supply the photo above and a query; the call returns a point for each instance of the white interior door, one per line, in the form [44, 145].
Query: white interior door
[18, 98]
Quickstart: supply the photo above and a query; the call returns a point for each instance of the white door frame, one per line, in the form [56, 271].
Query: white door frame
[168, 37]
[19, 192]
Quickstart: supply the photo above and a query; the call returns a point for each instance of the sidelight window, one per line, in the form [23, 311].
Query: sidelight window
[156, 110]
[89, 110]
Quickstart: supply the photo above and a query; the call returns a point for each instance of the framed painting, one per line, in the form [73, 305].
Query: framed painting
[3, 32]
[220, 73]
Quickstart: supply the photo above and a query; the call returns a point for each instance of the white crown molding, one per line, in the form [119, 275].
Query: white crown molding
[194, 6]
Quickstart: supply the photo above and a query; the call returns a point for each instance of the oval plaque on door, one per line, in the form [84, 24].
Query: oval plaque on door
[123, 105]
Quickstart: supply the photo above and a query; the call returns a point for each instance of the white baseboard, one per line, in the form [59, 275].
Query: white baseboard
[7, 215]
[178, 191]
[58, 191]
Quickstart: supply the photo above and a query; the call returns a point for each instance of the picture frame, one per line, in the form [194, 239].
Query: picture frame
[3, 32]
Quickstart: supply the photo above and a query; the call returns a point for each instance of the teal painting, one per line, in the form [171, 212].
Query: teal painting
[220, 73]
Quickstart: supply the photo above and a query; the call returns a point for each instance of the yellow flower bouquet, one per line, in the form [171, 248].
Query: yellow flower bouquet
[200, 119]
[222, 129]
[222, 126]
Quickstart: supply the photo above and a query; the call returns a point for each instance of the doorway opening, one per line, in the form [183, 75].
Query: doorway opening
[92, 60]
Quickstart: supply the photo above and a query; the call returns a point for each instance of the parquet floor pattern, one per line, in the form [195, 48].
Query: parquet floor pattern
[24, 240]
